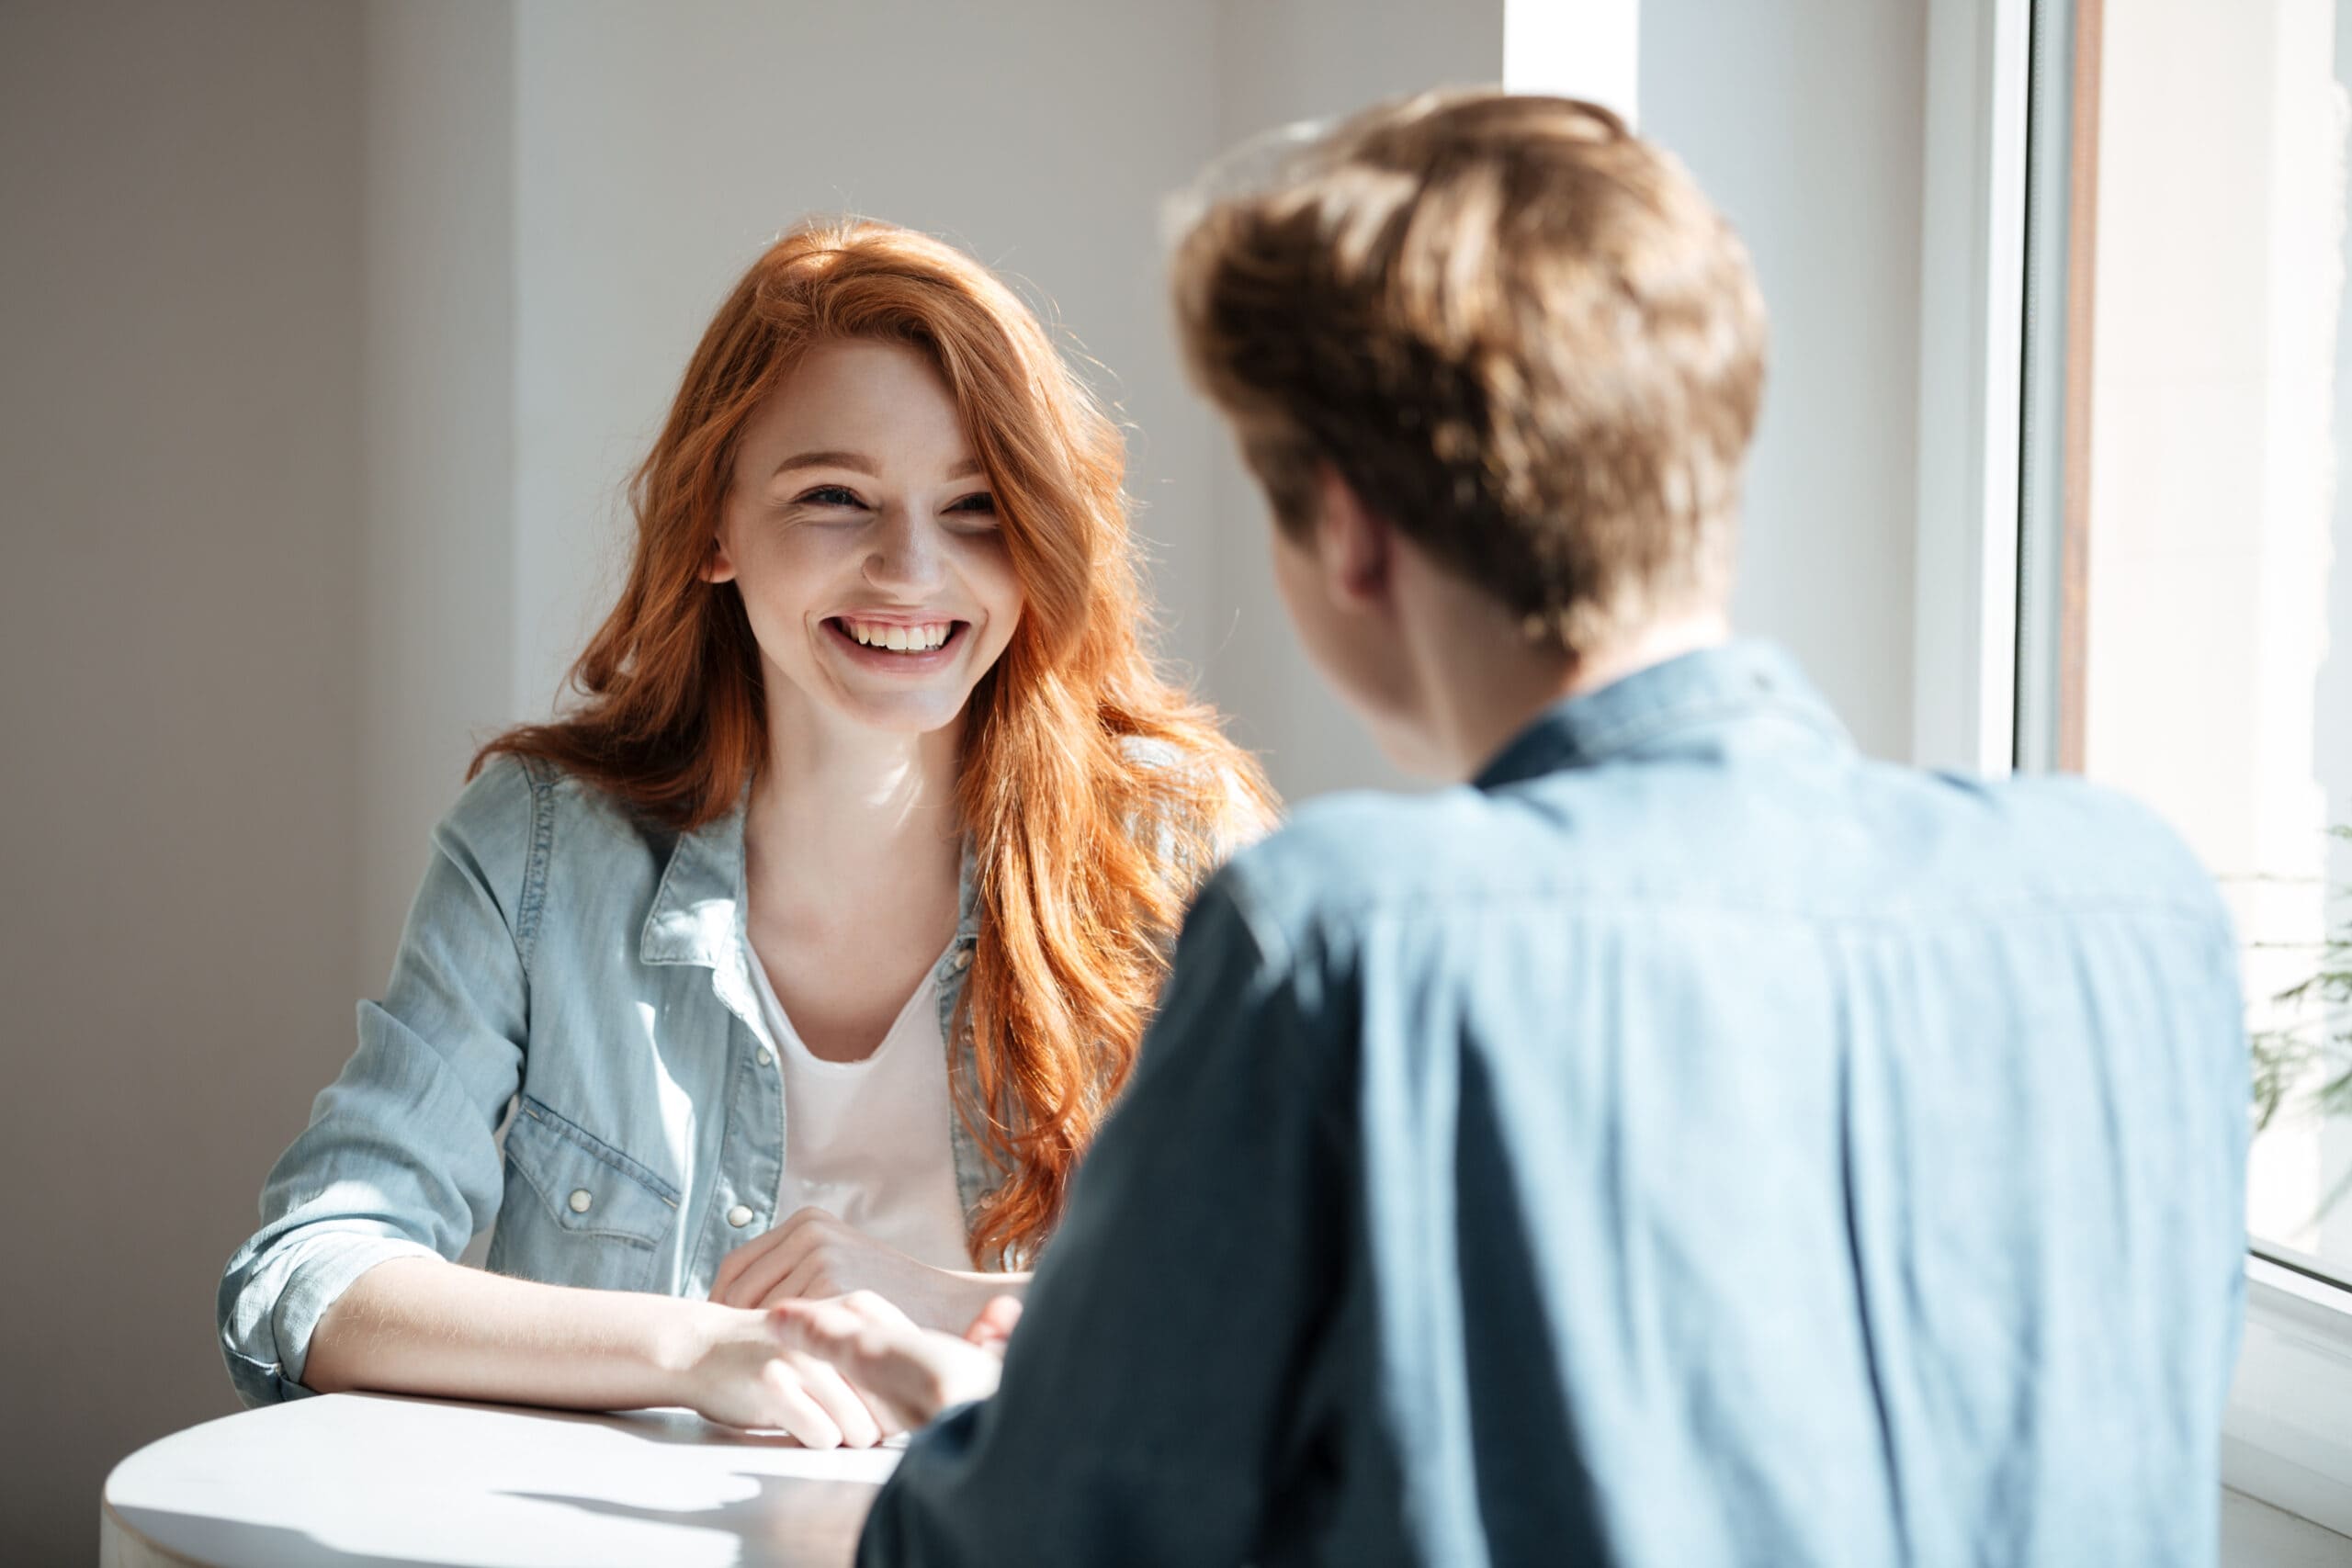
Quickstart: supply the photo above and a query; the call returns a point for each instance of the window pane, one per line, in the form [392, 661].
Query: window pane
[2211, 609]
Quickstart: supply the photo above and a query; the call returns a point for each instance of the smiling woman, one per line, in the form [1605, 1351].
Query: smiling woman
[870, 559]
[875, 823]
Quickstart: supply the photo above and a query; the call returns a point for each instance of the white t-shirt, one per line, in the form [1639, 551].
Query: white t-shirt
[867, 1141]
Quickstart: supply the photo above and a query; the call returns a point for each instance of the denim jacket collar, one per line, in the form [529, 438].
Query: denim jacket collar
[697, 911]
[1732, 682]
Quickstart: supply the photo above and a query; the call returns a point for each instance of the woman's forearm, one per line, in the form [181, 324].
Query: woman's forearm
[419, 1325]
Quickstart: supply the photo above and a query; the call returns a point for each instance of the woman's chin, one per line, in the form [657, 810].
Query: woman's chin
[901, 712]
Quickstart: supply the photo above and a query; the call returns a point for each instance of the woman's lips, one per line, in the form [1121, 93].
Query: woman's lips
[903, 661]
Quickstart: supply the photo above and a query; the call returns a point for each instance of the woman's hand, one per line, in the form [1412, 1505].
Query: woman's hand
[750, 1372]
[813, 1254]
[906, 1372]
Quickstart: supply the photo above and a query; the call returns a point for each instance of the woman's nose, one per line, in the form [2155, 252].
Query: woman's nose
[907, 556]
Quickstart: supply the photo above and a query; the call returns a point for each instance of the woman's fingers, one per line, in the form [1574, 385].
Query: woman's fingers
[819, 1269]
[750, 1274]
[856, 1343]
[762, 1275]
[797, 1412]
[858, 1425]
[819, 1406]
[804, 1279]
[912, 1370]
[992, 1329]
[731, 1266]
[873, 1306]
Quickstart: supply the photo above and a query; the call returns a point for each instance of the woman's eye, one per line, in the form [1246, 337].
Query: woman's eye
[829, 495]
[983, 503]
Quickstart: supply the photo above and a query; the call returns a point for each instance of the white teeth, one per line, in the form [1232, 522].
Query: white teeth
[898, 638]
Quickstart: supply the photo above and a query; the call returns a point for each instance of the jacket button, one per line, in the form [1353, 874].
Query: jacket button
[963, 958]
[768, 1057]
[581, 1200]
[738, 1216]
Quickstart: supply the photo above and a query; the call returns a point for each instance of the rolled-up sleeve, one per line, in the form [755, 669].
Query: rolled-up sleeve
[400, 1158]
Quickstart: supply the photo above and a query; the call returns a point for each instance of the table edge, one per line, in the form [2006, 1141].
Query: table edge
[111, 1524]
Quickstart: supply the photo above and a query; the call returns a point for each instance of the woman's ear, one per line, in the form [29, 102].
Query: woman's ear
[718, 566]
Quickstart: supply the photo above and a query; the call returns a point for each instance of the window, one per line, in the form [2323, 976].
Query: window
[2184, 569]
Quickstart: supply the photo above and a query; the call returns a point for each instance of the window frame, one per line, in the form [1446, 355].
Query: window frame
[1983, 686]
[2286, 1434]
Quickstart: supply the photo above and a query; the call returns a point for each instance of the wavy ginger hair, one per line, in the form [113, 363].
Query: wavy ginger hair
[1085, 856]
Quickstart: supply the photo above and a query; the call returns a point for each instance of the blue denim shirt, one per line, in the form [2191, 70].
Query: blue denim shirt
[567, 958]
[1690, 1144]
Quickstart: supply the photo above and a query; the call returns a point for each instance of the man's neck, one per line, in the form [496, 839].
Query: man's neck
[1483, 695]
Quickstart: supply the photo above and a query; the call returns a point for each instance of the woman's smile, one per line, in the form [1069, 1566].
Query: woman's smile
[898, 647]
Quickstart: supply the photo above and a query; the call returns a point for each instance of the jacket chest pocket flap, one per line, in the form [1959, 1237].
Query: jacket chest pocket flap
[588, 1192]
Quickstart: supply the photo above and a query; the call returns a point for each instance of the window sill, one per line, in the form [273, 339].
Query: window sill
[2255, 1535]
[2286, 1434]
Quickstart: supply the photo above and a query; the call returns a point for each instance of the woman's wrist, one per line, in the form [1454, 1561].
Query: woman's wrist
[685, 1343]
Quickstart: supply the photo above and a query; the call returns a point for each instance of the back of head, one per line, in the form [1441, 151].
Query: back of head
[1515, 328]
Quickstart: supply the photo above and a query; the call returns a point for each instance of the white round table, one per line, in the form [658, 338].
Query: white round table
[372, 1479]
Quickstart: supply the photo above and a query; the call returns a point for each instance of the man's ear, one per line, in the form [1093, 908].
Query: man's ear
[1356, 545]
[718, 566]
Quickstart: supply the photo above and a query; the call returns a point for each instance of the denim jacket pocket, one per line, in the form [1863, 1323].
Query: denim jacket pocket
[577, 1211]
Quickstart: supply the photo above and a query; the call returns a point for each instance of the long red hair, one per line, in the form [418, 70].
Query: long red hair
[1086, 854]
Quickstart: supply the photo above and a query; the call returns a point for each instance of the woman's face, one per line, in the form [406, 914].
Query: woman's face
[862, 533]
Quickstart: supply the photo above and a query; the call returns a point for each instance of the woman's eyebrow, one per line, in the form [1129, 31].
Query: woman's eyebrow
[857, 462]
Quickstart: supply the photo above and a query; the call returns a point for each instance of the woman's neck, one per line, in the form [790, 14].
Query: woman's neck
[842, 814]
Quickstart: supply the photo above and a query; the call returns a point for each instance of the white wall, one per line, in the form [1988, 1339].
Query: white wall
[658, 149]
[179, 501]
[1803, 119]
[438, 553]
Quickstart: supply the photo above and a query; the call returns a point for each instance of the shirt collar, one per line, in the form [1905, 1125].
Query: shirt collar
[1717, 685]
[697, 911]
[695, 915]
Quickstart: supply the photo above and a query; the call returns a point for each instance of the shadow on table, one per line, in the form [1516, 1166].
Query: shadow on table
[788, 1522]
[202, 1538]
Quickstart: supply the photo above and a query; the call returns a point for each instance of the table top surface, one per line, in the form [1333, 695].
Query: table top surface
[379, 1480]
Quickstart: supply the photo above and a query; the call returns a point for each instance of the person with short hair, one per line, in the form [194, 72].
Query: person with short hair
[1682, 1142]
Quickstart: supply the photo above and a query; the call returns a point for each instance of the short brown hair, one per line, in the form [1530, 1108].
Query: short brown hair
[1518, 330]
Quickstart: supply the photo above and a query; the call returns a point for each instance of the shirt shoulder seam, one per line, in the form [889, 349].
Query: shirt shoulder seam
[531, 901]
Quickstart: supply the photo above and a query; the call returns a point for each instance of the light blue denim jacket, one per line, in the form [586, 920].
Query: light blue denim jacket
[589, 969]
[1690, 1144]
